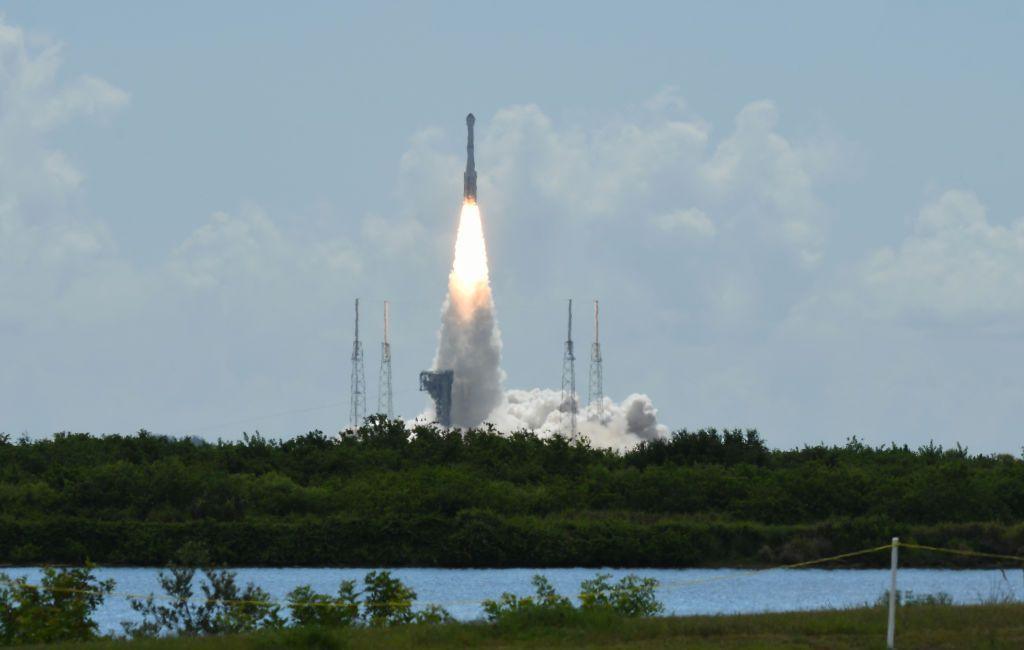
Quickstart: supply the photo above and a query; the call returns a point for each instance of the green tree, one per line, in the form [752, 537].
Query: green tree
[386, 601]
[546, 599]
[631, 596]
[311, 608]
[60, 608]
[221, 608]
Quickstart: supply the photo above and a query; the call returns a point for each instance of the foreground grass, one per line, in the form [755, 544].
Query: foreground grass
[918, 626]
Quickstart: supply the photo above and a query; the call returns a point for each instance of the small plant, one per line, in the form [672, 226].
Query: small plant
[433, 615]
[386, 600]
[631, 596]
[909, 598]
[310, 608]
[546, 599]
[58, 609]
[222, 607]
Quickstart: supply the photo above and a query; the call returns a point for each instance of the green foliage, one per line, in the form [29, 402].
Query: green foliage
[433, 615]
[600, 602]
[224, 608]
[390, 494]
[386, 601]
[59, 609]
[631, 596]
[905, 597]
[221, 608]
[546, 604]
[311, 608]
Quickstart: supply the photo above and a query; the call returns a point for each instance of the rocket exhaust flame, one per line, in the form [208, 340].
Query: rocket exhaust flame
[468, 283]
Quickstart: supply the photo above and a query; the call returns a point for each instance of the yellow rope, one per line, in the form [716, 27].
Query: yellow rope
[795, 565]
[968, 553]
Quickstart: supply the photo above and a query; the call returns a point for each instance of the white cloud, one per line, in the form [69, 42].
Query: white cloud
[955, 269]
[770, 181]
[659, 160]
[692, 222]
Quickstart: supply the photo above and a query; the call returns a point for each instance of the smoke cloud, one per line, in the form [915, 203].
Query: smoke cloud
[608, 424]
[470, 342]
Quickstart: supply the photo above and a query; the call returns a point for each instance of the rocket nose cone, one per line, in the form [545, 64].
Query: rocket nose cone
[470, 119]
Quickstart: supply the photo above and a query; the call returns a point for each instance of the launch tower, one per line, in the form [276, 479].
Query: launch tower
[385, 404]
[569, 380]
[595, 391]
[357, 404]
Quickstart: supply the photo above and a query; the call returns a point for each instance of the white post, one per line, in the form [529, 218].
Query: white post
[890, 638]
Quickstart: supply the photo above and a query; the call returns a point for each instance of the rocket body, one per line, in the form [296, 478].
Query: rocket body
[469, 178]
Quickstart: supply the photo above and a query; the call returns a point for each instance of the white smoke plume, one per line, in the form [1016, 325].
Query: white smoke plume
[470, 345]
[619, 426]
[469, 342]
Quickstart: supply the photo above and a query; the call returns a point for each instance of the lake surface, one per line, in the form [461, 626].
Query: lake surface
[683, 591]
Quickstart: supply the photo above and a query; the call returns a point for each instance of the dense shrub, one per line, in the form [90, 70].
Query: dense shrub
[58, 609]
[390, 494]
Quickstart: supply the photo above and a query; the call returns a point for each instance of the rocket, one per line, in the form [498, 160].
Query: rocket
[469, 178]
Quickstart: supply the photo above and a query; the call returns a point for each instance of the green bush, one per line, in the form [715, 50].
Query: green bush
[310, 608]
[386, 601]
[222, 607]
[546, 606]
[631, 596]
[58, 609]
[388, 494]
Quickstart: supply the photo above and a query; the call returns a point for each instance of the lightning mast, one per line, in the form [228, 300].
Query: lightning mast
[569, 379]
[384, 401]
[357, 407]
[595, 392]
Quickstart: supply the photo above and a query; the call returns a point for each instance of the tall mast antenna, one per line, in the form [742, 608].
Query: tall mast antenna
[569, 379]
[384, 401]
[595, 392]
[357, 405]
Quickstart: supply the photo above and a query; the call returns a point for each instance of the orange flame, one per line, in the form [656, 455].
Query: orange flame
[468, 283]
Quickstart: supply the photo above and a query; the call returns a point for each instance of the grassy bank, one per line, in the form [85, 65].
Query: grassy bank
[918, 626]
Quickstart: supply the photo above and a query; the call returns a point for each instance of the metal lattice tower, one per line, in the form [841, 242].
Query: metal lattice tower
[384, 401]
[569, 379]
[595, 392]
[357, 406]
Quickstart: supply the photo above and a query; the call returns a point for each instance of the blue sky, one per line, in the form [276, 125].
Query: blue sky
[798, 217]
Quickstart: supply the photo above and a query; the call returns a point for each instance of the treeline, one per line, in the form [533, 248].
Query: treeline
[390, 494]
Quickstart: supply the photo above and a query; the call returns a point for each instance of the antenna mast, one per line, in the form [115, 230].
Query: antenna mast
[357, 406]
[384, 401]
[569, 379]
[595, 392]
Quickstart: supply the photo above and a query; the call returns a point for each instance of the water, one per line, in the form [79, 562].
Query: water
[683, 591]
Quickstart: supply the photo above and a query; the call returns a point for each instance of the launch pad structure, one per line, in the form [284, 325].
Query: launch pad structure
[438, 384]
